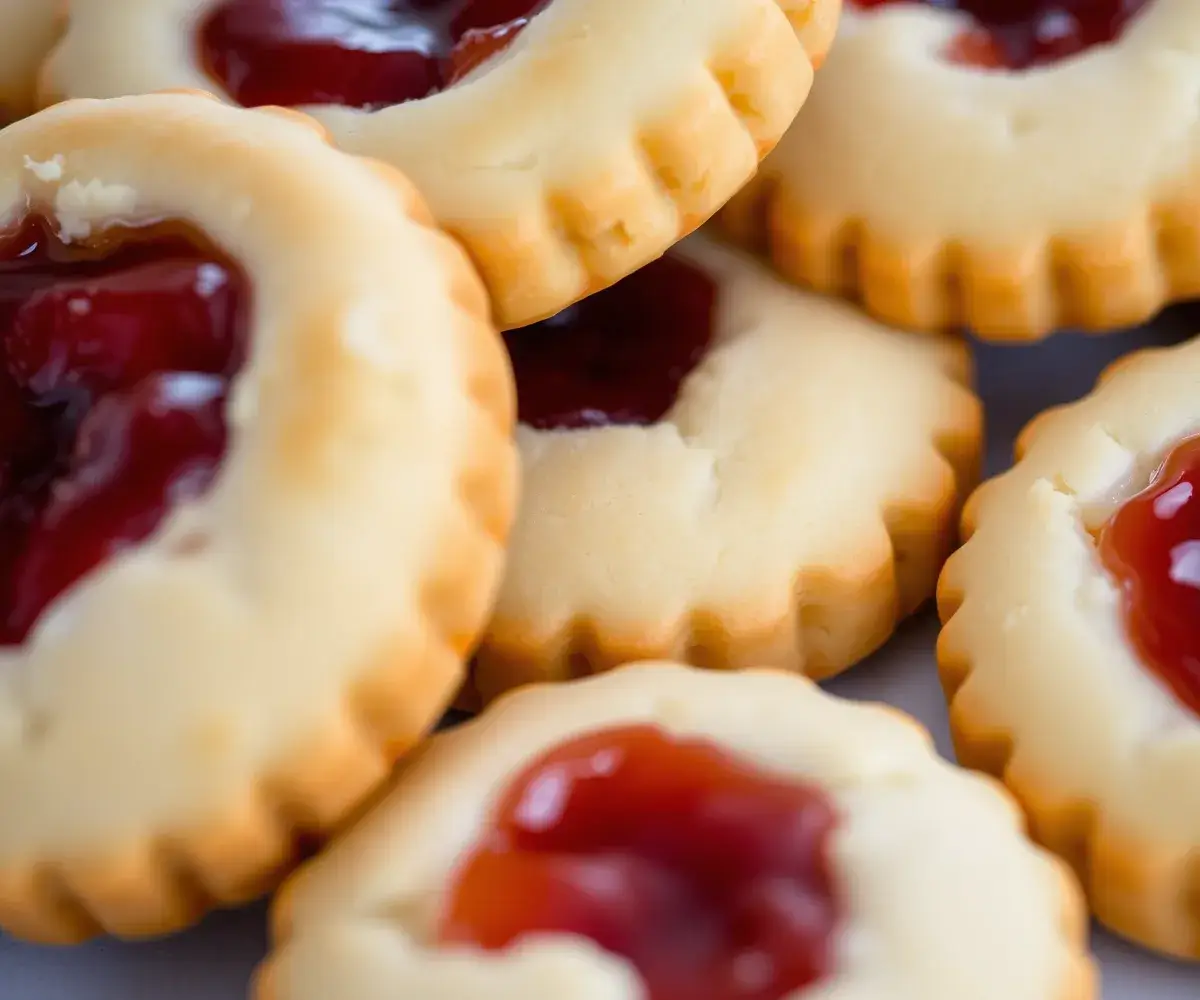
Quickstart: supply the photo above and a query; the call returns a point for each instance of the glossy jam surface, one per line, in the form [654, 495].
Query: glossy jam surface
[1018, 34]
[117, 359]
[356, 53]
[619, 356]
[709, 875]
[1151, 545]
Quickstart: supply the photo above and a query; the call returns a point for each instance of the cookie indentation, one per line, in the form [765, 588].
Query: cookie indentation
[117, 358]
[709, 875]
[358, 53]
[1151, 546]
[620, 356]
[1018, 34]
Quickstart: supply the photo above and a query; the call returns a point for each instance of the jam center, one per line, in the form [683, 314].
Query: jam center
[356, 53]
[710, 876]
[1018, 34]
[1151, 546]
[117, 360]
[619, 356]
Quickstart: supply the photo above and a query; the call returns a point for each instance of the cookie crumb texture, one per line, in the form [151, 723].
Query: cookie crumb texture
[795, 501]
[1009, 202]
[863, 832]
[322, 436]
[1054, 683]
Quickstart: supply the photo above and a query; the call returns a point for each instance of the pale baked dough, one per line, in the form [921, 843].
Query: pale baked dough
[943, 897]
[253, 668]
[607, 131]
[1044, 685]
[797, 500]
[1013, 203]
[27, 31]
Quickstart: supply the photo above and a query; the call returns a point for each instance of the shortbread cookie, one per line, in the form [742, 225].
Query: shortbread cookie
[662, 832]
[257, 467]
[1071, 647]
[565, 142]
[27, 32]
[722, 469]
[1038, 173]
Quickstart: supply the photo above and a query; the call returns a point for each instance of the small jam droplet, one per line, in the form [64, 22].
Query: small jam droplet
[709, 875]
[1151, 546]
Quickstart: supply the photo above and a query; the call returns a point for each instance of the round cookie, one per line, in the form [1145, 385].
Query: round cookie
[1065, 653]
[27, 32]
[1013, 201]
[596, 135]
[783, 494]
[257, 471]
[600, 791]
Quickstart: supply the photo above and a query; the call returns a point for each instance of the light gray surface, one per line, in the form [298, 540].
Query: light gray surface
[214, 962]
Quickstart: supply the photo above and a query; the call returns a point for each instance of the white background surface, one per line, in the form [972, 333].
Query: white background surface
[214, 962]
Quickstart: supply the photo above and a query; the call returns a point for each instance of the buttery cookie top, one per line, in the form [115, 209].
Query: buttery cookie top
[566, 143]
[877, 890]
[243, 561]
[1069, 648]
[948, 172]
[27, 31]
[720, 468]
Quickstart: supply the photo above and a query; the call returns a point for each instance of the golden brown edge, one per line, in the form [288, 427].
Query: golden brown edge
[673, 175]
[168, 879]
[1100, 280]
[838, 616]
[675, 171]
[1144, 891]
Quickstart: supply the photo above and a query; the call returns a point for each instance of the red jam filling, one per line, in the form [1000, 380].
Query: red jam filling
[117, 359]
[356, 53]
[1018, 34]
[709, 875]
[1151, 545]
[619, 356]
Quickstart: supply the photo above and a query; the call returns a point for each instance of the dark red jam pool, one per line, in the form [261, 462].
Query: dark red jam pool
[117, 359]
[356, 53]
[1018, 34]
[709, 875]
[619, 356]
[1151, 545]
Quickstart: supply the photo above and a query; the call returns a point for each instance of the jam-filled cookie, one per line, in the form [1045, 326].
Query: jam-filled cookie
[565, 142]
[1013, 166]
[1071, 649]
[665, 833]
[255, 467]
[27, 31]
[722, 469]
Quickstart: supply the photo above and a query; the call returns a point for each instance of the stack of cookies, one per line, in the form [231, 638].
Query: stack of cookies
[361, 359]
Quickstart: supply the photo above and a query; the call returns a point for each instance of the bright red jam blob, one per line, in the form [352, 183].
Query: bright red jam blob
[711, 876]
[1151, 545]
[1018, 34]
[356, 53]
[619, 356]
[117, 359]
